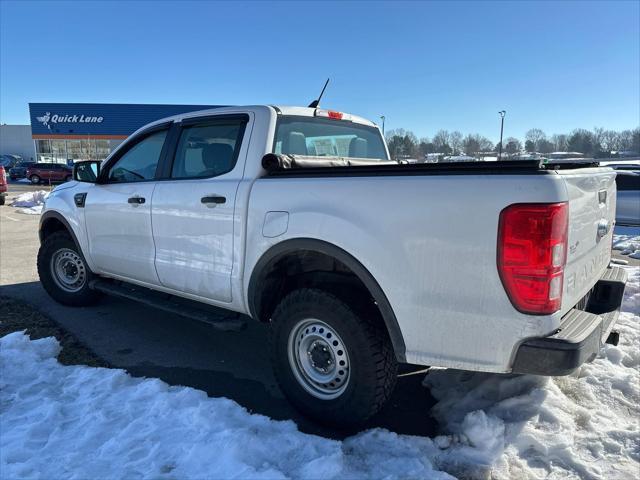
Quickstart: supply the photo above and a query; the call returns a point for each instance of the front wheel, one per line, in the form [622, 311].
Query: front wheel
[63, 271]
[35, 179]
[332, 363]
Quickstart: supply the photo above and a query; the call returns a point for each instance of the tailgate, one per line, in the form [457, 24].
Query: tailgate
[592, 211]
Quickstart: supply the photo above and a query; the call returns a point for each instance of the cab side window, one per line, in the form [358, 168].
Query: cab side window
[208, 150]
[140, 162]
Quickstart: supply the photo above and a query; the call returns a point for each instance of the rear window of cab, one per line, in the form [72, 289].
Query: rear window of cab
[322, 137]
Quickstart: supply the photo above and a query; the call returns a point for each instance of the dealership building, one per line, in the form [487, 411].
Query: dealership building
[65, 132]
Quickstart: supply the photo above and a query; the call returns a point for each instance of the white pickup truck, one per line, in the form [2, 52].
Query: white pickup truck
[298, 217]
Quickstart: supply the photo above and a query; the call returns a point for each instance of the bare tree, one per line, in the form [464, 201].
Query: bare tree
[530, 146]
[512, 146]
[545, 146]
[581, 141]
[560, 141]
[474, 143]
[597, 137]
[535, 135]
[402, 143]
[625, 140]
[455, 141]
[441, 141]
[486, 145]
[610, 140]
[425, 146]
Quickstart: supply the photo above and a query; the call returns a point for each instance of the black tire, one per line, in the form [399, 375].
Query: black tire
[372, 365]
[35, 179]
[52, 245]
[1, 199]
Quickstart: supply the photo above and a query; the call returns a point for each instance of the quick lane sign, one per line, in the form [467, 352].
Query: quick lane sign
[48, 119]
[98, 120]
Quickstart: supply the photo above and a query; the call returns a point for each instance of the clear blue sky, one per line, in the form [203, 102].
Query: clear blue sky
[425, 65]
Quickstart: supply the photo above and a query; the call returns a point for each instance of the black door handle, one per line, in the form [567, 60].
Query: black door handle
[213, 199]
[136, 200]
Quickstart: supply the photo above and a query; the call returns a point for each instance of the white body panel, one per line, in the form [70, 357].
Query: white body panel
[121, 240]
[588, 254]
[434, 258]
[429, 241]
[194, 242]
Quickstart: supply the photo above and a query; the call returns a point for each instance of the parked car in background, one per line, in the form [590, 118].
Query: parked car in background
[19, 170]
[3, 185]
[628, 198]
[8, 161]
[49, 172]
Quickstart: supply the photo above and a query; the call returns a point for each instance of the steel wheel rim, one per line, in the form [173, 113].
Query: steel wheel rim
[318, 359]
[68, 270]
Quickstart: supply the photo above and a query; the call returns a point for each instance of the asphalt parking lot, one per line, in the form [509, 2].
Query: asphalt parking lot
[152, 343]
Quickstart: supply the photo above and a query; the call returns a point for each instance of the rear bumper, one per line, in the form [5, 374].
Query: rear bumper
[581, 335]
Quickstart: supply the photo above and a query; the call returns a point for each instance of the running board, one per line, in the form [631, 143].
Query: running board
[216, 317]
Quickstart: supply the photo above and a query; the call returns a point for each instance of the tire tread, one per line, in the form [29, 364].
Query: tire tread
[382, 356]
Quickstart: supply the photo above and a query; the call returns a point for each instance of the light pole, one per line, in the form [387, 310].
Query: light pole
[382, 117]
[502, 113]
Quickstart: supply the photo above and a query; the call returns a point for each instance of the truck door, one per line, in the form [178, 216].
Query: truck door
[118, 210]
[193, 206]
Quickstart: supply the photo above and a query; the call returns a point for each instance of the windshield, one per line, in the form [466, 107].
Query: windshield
[323, 137]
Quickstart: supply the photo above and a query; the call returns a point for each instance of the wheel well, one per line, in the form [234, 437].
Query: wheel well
[328, 268]
[51, 225]
[307, 269]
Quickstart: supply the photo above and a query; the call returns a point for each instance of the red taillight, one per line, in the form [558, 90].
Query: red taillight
[532, 252]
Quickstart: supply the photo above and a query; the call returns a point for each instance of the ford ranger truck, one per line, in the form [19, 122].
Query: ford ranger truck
[299, 218]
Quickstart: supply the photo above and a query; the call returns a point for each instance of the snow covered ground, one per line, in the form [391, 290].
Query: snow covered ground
[30, 203]
[80, 422]
[627, 240]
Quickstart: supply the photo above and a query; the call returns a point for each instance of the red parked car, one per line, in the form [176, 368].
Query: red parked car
[49, 173]
[3, 185]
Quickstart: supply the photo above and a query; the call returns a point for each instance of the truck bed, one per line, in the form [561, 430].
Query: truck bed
[428, 234]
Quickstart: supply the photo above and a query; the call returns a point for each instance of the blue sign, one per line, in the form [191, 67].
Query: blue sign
[99, 119]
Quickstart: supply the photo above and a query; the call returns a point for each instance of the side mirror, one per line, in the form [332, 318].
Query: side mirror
[86, 171]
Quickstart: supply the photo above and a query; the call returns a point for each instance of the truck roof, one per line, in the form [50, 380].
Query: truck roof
[280, 109]
[310, 112]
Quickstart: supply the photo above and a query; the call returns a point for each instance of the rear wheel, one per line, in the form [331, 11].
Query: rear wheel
[35, 179]
[333, 364]
[1, 199]
[63, 271]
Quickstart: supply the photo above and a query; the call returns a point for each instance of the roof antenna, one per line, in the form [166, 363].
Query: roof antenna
[316, 103]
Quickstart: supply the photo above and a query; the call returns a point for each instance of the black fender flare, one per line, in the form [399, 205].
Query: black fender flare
[53, 215]
[286, 247]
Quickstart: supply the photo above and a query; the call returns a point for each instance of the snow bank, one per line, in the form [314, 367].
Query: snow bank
[583, 426]
[30, 203]
[82, 422]
[627, 239]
